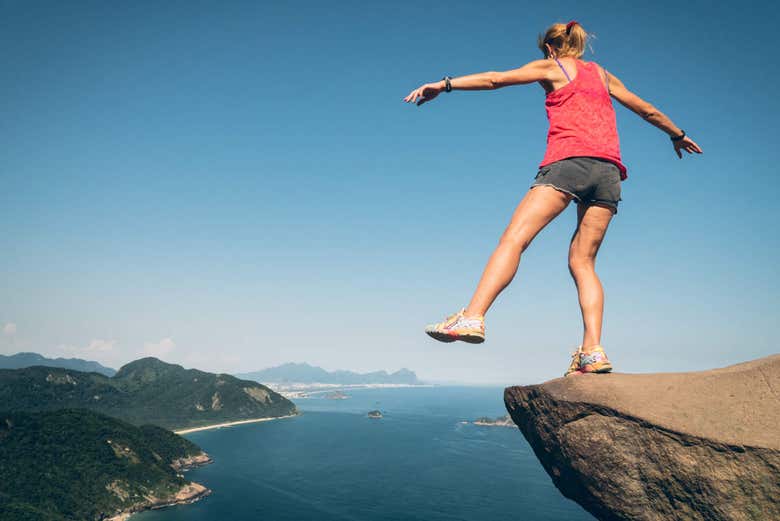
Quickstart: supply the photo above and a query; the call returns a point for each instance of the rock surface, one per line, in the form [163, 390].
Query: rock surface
[702, 445]
[191, 462]
[189, 493]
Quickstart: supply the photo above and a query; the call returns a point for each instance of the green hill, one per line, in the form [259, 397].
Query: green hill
[74, 464]
[144, 391]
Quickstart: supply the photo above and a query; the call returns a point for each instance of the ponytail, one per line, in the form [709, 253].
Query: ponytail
[567, 39]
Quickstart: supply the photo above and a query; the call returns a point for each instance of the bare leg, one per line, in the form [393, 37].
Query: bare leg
[592, 222]
[539, 206]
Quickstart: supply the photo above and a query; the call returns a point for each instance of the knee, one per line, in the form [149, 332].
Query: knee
[581, 264]
[514, 239]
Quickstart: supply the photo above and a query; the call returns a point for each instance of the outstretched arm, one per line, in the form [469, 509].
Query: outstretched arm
[650, 114]
[534, 71]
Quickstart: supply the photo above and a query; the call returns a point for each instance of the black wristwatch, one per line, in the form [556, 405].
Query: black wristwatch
[447, 84]
[678, 138]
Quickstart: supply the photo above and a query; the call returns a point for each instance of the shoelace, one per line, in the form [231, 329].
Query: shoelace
[467, 322]
[575, 359]
[460, 320]
[452, 320]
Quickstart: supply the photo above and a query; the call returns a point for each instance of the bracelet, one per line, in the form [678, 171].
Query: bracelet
[678, 138]
[447, 84]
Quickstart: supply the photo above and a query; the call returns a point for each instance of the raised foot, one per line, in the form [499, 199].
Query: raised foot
[458, 327]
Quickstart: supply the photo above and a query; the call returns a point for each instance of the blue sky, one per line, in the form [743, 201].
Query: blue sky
[235, 185]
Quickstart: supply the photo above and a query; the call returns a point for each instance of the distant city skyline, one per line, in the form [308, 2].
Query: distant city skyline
[235, 186]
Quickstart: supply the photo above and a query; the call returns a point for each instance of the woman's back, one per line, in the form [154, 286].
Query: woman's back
[582, 118]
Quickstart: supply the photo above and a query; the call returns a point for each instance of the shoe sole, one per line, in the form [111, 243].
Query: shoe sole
[587, 372]
[450, 337]
[605, 368]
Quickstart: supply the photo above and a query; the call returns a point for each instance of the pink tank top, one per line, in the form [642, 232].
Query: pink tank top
[582, 119]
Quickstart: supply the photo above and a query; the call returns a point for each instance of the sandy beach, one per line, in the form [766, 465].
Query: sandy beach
[230, 424]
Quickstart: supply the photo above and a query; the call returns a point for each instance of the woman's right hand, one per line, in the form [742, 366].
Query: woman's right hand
[686, 144]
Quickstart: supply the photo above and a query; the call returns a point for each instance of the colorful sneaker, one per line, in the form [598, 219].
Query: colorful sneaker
[595, 362]
[459, 327]
[574, 366]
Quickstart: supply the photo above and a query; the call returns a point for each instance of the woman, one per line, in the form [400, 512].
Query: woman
[582, 163]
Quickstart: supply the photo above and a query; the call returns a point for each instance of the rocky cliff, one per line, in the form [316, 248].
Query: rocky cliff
[702, 445]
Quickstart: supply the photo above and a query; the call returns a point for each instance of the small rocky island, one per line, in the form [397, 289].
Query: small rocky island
[375, 414]
[501, 421]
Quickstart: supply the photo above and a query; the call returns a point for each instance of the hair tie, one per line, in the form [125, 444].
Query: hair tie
[569, 26]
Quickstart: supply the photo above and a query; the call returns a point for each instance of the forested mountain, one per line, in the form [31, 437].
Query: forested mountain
[74, 464]
[144, 391]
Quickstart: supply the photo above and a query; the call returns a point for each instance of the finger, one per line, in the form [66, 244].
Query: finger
[693, 144]
[679, 154]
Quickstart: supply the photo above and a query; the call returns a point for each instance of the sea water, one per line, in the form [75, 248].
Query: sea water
[333, 463]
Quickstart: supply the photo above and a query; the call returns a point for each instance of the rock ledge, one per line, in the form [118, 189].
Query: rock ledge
[703, 445]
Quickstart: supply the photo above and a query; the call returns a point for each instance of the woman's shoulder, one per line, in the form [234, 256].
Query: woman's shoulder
[591, 64]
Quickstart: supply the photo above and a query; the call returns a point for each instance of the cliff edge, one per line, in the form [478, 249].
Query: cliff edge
[702, 445]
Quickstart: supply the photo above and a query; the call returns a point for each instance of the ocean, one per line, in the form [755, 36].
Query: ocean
[333, 463]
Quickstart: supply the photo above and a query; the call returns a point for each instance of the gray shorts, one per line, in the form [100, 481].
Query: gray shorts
[589, 179]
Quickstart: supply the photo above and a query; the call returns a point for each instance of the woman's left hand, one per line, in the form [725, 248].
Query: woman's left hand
[424, 93]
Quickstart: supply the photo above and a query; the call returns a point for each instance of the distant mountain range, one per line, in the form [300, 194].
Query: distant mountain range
[76, 464]
[144, 391]
[22, 360]
[305, 373]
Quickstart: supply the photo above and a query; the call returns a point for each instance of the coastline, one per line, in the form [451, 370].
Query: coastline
[189, 493]
[230, 424]
[306, 390]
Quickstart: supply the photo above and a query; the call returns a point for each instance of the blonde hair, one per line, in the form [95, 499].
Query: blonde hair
[571, 44]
